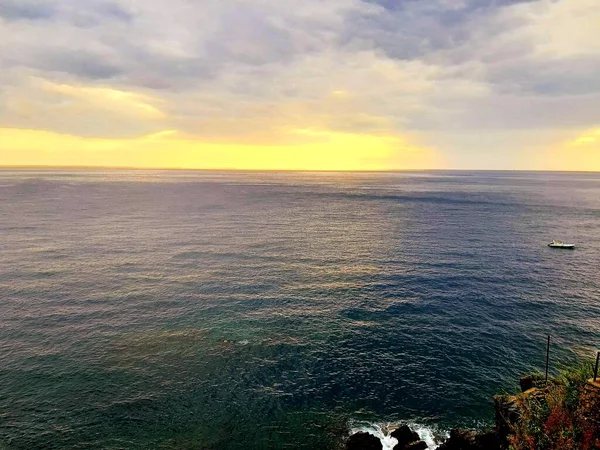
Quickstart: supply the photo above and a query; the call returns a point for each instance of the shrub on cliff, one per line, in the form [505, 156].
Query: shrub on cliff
[552, 418]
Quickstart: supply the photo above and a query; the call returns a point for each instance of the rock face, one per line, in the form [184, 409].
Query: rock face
[418, 445]
[405, 436]
[513, 415]
[535, 380]
[363, 441]
[407, 439]
[471, 440]
[506, 413]
[591, 404]
[526, 383]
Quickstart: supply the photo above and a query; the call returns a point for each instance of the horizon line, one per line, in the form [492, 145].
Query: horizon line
[192, 169]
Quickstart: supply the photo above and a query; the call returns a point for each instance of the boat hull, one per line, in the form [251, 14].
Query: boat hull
[564, 246]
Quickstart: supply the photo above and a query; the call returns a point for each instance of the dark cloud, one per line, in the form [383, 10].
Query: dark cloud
[97, 14]
[167, 73]
[576, 75]
[245, 36]
[434, 6]
[411, 29]
[79, 63]
[113, 11]
[26, 10]
[93, 13]
[392, 5]
[359, 65]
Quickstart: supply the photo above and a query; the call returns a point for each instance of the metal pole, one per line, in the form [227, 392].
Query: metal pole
[547, 359]
[596, 368]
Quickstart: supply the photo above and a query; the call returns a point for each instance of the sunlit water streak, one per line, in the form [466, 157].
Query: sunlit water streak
[251, 310]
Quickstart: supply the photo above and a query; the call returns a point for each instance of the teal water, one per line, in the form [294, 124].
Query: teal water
[186, 310]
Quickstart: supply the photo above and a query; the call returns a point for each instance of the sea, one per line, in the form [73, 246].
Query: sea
[283, 310]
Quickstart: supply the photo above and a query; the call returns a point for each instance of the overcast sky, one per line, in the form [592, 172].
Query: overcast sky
[348, 84]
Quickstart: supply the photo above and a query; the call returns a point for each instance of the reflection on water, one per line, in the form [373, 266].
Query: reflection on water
[271, 310]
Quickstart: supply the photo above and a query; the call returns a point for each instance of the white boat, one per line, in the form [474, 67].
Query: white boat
[559, 244]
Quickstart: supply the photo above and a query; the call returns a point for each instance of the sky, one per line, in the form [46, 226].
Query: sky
[301, 85]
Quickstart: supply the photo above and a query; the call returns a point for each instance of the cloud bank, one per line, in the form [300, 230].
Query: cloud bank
[379, 84]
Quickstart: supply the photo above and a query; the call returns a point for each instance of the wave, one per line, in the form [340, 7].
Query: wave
[430, 435]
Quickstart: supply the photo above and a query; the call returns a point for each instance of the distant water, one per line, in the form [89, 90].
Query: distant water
[186, 310]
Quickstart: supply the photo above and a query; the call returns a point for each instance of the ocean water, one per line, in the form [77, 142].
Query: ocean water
[215, 310]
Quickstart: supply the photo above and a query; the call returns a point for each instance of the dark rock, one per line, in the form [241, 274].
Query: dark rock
[535, 380]
[526, 383]
[489, 440]
[506, 413]
[405, 436]
[459, 440]
[471, 440]
[363, 441]
[418, 445]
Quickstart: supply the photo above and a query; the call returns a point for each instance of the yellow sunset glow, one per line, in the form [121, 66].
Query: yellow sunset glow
[107, 98]
[323, 150]
[320, 86]
[581, 153]
[588, 138]
[288, 136]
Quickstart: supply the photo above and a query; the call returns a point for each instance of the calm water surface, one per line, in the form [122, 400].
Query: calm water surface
[186, 310]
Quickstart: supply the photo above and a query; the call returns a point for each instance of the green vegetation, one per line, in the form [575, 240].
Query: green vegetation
[554, 417]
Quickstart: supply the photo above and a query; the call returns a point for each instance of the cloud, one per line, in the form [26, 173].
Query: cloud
[26, 10]
[91, 111]
[251, 71]
[111, 99]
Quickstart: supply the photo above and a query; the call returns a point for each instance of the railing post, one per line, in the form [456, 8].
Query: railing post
[596, 368]
[547, 358]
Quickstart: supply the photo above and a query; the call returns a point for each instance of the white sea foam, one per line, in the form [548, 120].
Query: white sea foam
[428, 435]
[382, 430]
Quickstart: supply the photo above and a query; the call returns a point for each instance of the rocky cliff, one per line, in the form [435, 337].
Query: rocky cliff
[561, 414]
